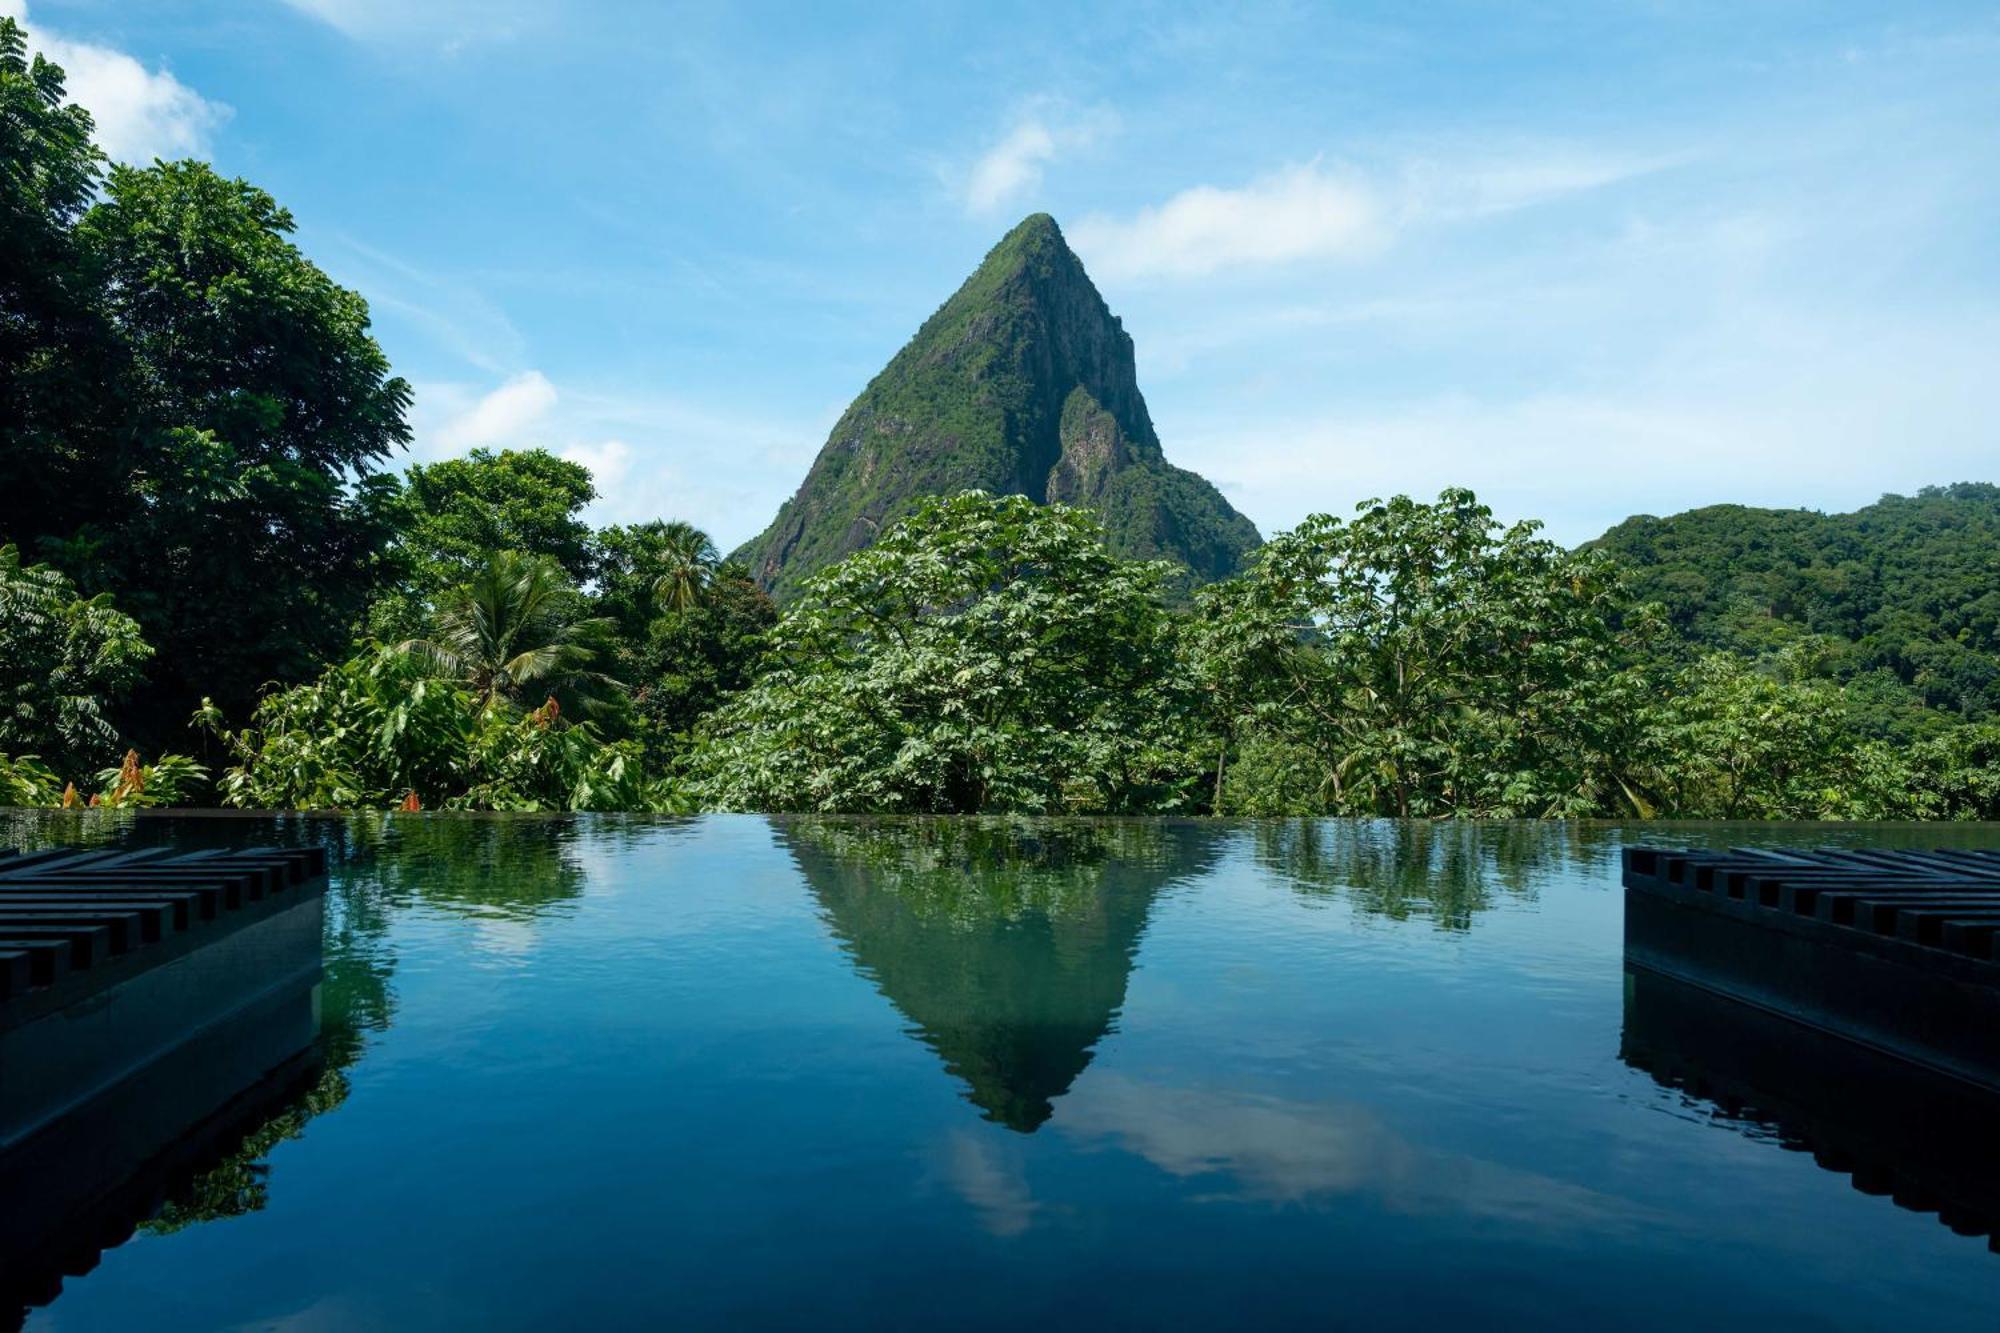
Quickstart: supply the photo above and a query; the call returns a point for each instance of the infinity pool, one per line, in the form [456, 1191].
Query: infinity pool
[743, 1072]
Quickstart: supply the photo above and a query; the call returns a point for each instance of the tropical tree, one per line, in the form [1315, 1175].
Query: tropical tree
[1727, 740]
[1426, 660]
[57, 356]
[450, 515]
[689, 562]
[259, 408]
[987, 653]
[690, 630]
[191, 413]
[513, 633]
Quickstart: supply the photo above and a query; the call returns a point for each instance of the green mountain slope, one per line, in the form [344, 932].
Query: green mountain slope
[1022, 383]
[1908, 587]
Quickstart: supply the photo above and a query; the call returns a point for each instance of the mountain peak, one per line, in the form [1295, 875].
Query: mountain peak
[1032, 235]
[1022, 383]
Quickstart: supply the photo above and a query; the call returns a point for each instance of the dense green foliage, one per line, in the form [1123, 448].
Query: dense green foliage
[450, 517]
[1417, 661]
[690, 629]
[986, 654]
[194, 523]
[381, 729]
[512, 632]
[1904, 594]
[67, 659]
[190, 411]
[453, 514]
[1021, 384]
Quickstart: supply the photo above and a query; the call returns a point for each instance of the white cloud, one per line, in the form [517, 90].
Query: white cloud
[141, 114]
[501, 417]
[1313, 211]
[1011, 170]
[1301, 212]
[610, 464]
[1502, 182]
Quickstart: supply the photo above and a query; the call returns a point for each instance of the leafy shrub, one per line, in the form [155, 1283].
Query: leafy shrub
[68, 659]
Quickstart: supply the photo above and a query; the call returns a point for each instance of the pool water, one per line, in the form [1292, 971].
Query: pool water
[746, 1072]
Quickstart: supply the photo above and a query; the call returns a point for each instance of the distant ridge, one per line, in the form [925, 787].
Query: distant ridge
[1022, 383]
[1907, 587]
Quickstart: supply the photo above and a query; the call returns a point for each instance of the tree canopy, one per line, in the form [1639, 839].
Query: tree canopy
[195, 411]
[1419, 660]
[69, 660]
[986, 654]
[454, 513]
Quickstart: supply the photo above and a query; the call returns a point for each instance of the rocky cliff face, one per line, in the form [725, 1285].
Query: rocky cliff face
[1022, 383]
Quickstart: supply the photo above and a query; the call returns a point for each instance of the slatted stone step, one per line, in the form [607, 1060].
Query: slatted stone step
[1920, 898]
[1897, 950]
[67, 914]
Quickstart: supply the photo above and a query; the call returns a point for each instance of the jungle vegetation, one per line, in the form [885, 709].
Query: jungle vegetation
[215, 589]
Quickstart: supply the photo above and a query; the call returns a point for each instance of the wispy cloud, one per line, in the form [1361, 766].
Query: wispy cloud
[1278, 1151]
[993, 1179]
[449, 24]
[1484, 184]
[1319, 211]
[1010, 172]
[141, 113]
[1011, 168]
[451, 311]
[1300, 212]
[356, 18]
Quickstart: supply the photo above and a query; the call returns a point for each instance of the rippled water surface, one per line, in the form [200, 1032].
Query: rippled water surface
[746, 1072]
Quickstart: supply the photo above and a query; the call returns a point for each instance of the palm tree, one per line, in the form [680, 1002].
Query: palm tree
[689, 560]
[508, 634]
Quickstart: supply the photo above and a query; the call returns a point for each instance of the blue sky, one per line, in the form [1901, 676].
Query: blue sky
[1589, 259]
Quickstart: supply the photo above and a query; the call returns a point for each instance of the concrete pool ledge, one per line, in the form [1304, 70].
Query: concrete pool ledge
[182, 1005]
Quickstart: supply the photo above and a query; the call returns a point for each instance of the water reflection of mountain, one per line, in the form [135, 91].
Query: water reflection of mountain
[1006, 944]
[1924, 1140]
[1449, 871]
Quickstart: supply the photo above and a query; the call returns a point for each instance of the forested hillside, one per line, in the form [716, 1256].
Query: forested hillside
[1902, 597]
